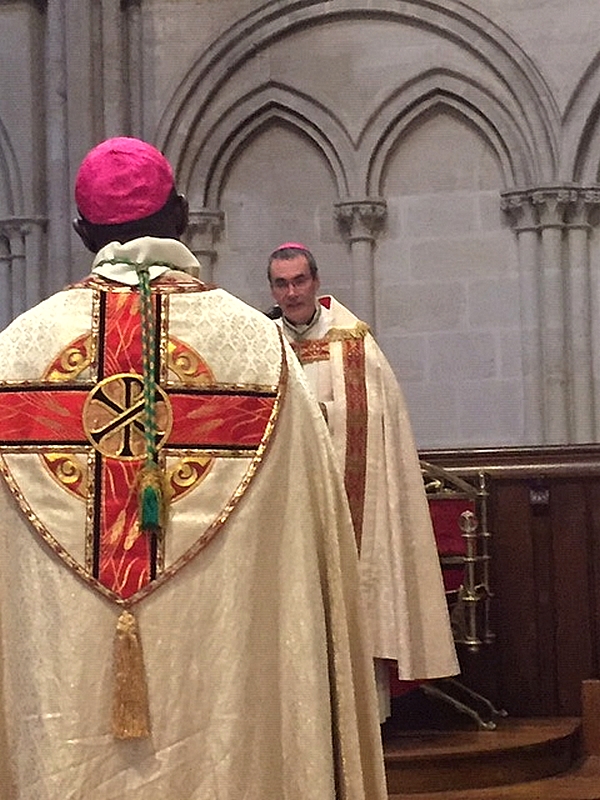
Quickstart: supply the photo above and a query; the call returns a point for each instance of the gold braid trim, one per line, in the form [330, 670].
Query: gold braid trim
[359, 331]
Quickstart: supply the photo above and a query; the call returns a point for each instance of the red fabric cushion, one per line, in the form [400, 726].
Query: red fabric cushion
[445, 515]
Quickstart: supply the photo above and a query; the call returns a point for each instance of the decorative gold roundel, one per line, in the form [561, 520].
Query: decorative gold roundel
[113, 417]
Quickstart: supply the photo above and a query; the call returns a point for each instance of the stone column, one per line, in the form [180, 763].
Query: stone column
[563, 304]
[59, 192]
[360, 221]
[525, 224]
[5, 283]
[203, 232]
[21, 259]
[115, 75]
[16, 244]
[580, 299]
[133, 64]
[550, 204]
[35, 259]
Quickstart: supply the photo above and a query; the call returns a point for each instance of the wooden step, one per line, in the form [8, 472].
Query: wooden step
[517, 751]
[580, 783]
[433, 754]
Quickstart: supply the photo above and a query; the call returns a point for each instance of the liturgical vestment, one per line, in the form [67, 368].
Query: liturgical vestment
[370, 427]
[259, 683]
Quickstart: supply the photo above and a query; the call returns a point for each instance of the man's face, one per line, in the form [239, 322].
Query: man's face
[294, 289]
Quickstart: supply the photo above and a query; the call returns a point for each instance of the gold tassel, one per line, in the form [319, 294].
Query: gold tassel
[131, 713]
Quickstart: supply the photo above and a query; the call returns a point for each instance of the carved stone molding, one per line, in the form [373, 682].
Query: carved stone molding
[582, 211]
[206, 223]
[519, 210]
[21, 225]
[361, 220]
[21, 238]
[203, 231]
[551, 206]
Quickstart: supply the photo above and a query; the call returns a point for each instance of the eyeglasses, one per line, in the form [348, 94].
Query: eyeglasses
[297, 283]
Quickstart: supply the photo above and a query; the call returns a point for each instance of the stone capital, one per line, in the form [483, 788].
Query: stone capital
[361, 220]
[10, 226]
[582, 211]
[519, 210]
[551, 206]
[205, 226]
[203, 231]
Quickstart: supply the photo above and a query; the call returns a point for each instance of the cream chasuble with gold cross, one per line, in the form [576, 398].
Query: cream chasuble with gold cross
[238, 625]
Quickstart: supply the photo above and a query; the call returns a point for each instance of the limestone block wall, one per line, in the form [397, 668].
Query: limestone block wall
[23, 221]
[440, 158]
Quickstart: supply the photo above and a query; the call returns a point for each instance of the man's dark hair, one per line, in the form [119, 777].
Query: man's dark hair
[288, 253]
[168, 222]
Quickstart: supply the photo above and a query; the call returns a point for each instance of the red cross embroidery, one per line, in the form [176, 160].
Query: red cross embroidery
[104, 417]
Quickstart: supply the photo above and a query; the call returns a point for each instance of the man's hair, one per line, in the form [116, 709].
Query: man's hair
[138, 227]
[288, 253]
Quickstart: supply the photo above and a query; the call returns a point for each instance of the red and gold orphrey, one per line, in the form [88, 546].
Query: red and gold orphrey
[353, 355]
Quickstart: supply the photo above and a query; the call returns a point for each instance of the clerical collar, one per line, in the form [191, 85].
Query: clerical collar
[301, 328]
[117, 261]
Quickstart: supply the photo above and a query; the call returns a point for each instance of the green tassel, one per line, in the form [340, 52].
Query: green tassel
[152, 489]
[150, 509]
[151, 499]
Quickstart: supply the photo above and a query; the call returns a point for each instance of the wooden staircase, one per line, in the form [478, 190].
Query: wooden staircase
[522, 759]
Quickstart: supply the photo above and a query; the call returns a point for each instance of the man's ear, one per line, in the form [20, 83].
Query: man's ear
[81, 229]
[182, 214]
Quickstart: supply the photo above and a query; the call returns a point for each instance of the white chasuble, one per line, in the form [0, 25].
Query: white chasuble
[240, 619]
[372, 436]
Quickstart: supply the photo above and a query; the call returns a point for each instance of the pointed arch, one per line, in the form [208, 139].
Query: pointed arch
[11, 186]
[217, 144]
[498, 56]
[581, 130]
[438, 89]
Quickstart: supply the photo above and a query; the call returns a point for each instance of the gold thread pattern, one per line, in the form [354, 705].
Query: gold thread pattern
[113, 417]
[68, 471]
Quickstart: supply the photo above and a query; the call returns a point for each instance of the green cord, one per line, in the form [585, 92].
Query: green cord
[148, 350]
[150, 499]
[138, 265]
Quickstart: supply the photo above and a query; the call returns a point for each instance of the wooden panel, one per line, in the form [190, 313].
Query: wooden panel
[591, 717]
[540, 528]
[593, 497]
[545, 521]
[572, 591]
[516, 605]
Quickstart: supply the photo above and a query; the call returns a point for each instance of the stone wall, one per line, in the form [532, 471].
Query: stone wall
[440, 158]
